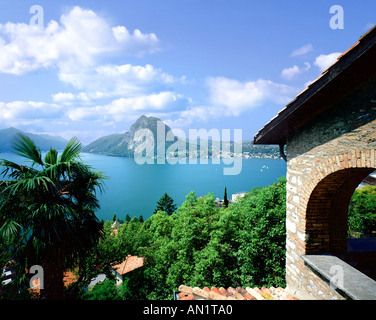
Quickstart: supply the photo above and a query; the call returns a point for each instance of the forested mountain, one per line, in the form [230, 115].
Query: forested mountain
[42, 141]
[125, 144]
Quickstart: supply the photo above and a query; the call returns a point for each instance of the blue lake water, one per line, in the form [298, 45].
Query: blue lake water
[135, 189]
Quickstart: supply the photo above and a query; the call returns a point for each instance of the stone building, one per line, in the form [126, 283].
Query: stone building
[327, 135]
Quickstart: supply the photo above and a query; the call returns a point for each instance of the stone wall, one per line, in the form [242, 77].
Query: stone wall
[326, 160]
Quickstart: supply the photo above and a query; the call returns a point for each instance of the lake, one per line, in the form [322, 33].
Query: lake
[135, 189]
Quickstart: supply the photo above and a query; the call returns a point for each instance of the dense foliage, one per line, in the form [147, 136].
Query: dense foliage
[362, 212]
[47, 211]
[166, 204]
[201, 245]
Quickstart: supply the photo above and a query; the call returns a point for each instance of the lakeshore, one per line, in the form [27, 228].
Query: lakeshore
[135, 189]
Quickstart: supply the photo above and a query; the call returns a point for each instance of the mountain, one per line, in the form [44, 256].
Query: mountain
[42, 141]
[125, 144]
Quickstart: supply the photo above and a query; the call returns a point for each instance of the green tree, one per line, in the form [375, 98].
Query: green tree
[225, 200]
[105, 290]
[203, 245]
[362, 212]
[262, 240]
[166, 204]
[49, 207]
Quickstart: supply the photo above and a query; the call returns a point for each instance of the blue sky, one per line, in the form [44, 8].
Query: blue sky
[94, 67]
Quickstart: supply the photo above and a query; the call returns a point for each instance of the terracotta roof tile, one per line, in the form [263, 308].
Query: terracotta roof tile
[68, 279]
[214, 289]
[189, 293]
[245, 293]
[129, 264]
[187, 297]
[223, 291]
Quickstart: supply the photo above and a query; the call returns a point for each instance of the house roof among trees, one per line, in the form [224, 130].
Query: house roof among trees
[129, 264]
[353, 68]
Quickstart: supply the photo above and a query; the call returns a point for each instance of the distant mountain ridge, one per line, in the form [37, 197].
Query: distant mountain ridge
[125, 144]
[42, 141]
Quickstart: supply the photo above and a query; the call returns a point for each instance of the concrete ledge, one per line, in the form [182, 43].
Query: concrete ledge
[343, 278]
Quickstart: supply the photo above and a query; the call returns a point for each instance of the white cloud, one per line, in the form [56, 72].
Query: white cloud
[191, 115]
[302, 50]
[229, 97]
[238, 96]
[29, 110]
[324, 61]
[124, 108]
[111, 80]
[201, 113]
[136, 43]
[63, 97]
[292, 72]
[76, 42]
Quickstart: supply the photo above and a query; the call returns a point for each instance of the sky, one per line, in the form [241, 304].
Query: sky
[92, 68]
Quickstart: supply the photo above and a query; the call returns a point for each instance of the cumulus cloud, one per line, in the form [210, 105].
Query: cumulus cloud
[292, 72]
[111, 81]
[302, 50]
[29, 110]
[238, 96]
[137, 43]
[114, 80]
[123, 108]
[324, 61]
[77, 41]
[63, 97]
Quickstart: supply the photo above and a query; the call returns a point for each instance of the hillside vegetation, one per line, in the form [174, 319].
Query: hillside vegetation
[200, 245]
[204, 245]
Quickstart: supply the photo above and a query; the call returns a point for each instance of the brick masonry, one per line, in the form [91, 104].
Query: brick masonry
[326, 160]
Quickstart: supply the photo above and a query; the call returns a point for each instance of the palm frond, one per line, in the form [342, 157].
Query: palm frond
[9, 228]
[26, 148]
[14, 170]
[30, 184]
[71, 151]
[51, 157]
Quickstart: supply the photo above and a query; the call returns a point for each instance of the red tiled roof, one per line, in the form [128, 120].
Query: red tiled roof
[189, 293]
[68, 279]
[129, 264]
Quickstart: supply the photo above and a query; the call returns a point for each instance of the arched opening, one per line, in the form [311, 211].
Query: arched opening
[327, 213]
[361, 243]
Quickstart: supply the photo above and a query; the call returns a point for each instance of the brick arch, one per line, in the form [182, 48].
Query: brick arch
[328, 191]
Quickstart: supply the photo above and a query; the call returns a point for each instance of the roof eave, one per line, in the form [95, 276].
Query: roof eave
[297, 112]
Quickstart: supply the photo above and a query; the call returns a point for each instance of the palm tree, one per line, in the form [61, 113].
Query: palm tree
[50, 207]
